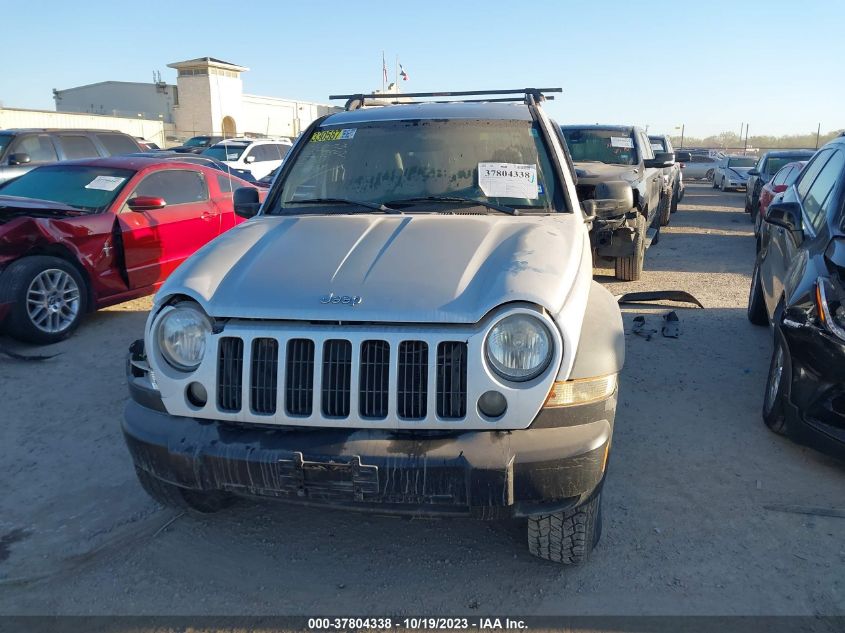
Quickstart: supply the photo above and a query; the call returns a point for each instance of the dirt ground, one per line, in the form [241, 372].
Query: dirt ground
[686, 531]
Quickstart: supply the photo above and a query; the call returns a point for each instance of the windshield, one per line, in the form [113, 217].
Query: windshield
[774, 163]
[90, 189]
[500, 161]
[742, 162]
[198, 141]
[613, 147]
[225, 152]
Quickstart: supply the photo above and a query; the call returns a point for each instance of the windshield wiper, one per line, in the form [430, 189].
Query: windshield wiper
[484, 203]
[357, 203]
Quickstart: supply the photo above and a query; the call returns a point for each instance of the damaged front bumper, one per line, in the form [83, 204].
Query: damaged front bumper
[614, 237]
[815, 407]
[556, 464]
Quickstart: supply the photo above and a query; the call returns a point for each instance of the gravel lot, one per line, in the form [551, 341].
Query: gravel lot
[686, 531]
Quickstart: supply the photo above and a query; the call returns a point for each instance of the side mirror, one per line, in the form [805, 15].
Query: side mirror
[660, 160]
[249, 159]
[612, 199]
[786, 215]
[19, 158]
[146, 203]
[246, 202]
[683, 157]
[753, 172]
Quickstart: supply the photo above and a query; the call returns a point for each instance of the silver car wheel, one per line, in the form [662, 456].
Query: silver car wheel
[775, 376]
[53, 301]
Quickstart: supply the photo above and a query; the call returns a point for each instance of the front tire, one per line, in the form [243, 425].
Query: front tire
[710, 174]
[665, 211]
[756, 302]
[49, 297]
[631, 268]
[774, 414]
[567, 537]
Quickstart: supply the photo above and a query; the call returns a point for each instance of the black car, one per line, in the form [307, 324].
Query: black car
[197, 144]
[610, 157]
[766, 167]
[798, 286]
[212, 163]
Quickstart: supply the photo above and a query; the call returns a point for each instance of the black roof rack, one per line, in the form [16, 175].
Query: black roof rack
[529, 95]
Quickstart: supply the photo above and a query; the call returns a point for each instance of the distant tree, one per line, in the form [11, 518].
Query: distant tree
[730, 140]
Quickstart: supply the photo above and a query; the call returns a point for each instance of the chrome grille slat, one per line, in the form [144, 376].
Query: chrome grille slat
[412, 380]
[264, 375]
[230, 357]
[374, 379]
[299, 377]
[337, 376]
[451, 380]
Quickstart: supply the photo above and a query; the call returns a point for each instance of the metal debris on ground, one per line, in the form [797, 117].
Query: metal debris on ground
[16, 356]
[680, 296]
[671, 325]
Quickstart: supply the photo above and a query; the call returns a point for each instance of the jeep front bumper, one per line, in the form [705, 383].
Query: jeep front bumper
[556, 464]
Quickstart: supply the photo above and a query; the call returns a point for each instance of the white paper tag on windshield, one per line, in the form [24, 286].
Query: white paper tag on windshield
[508, 180]
[105, 183]
[622, 141]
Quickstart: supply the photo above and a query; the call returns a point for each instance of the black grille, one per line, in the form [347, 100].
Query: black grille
[452, 380]
[374, 379]
[412, 380]
[262, 381]
[299, 378]
[230, 367]
[337, 375]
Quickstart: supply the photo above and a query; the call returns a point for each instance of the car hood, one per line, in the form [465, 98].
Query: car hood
[742, 172]
[411, 268]
[14, 207]
[593, 173]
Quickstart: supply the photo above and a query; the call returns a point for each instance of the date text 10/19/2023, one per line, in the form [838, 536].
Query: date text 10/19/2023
[412, 623]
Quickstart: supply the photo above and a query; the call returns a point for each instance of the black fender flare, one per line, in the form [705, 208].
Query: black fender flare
[601, 347]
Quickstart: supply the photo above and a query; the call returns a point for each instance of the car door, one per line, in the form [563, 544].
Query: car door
[752, 190]
[781, 246]
[155, 242]
[653, 177]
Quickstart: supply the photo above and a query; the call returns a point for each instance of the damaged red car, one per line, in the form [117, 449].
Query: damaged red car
[82, 235]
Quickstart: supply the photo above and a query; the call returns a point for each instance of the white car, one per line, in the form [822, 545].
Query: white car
[257, 157]
[732, 172]
[408, 325]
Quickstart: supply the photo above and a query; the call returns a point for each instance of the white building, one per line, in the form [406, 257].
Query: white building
[208, 98]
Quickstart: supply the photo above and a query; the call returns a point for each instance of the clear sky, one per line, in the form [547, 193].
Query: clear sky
[709, 64]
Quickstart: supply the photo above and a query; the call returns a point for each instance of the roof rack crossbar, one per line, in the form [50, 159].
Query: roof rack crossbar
[461, 93]
[356, 101]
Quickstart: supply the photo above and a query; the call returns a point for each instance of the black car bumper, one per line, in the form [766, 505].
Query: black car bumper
[557, 464]
[815, 407]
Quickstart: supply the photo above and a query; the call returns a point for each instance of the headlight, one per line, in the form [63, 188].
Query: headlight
[519, 347]
[830, 308]
[181, 335]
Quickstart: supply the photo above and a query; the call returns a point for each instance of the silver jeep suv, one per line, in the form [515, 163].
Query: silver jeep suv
[408, 324]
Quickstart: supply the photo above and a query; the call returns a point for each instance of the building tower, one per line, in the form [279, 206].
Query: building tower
[210, 97]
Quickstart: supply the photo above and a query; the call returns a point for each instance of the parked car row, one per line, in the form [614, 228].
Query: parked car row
[797, 289]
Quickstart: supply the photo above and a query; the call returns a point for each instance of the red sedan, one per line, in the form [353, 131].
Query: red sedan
[82, 235]
[779, 183]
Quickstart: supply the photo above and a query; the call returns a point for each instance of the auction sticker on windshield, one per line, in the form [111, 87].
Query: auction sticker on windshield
[622, 141]
[508, 180]
[105, 183]
[332, 135]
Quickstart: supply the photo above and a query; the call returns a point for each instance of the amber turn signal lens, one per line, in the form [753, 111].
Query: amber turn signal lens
[568, 393]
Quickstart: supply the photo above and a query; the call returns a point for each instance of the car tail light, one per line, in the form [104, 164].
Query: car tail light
[683, 165]
[779, 188]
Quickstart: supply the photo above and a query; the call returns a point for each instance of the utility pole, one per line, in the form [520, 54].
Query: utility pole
[683, 125]
[745, 149]
[741, 125]
[818, 134]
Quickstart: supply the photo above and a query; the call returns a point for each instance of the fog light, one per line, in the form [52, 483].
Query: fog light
[492, 404]
[568, 393]
[196, 394]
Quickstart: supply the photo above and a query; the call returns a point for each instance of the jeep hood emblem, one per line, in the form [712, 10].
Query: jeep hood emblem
[348, 300]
